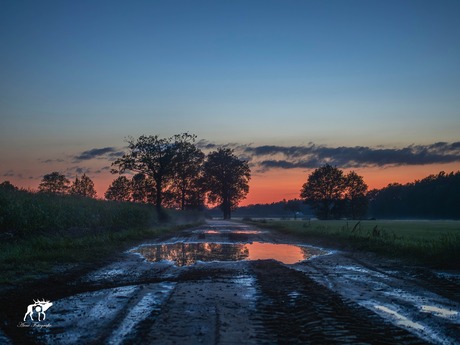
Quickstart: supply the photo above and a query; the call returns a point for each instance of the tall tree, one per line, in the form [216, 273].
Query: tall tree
[152, 156]
[355, 193]
[324, 190]
[119, 190]
[55, 183]
[186, 185]
[226, 179]
[83, 186]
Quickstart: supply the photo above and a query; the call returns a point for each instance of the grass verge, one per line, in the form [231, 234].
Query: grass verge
[38, 256]
[42, 234]
[433, 243]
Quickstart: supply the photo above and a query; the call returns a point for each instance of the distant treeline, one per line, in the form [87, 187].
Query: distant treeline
[434, 197]
[282, 209]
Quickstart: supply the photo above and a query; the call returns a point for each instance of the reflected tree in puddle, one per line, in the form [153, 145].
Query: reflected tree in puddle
[186, 254]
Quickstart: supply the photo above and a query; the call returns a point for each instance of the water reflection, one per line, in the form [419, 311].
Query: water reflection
[400, 319]
[185, 254]
[227, 232]
[438, 311]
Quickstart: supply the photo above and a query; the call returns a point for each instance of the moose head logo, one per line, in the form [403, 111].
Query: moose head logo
[38, 307]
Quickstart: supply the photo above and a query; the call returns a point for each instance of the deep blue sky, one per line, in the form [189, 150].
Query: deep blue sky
[77, 75]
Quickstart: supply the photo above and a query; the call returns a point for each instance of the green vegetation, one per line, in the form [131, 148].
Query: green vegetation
[435, 243]
[42, 233]
[24, 213]
[35, 257]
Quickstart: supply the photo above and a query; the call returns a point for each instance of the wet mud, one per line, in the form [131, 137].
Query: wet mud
[228, 283]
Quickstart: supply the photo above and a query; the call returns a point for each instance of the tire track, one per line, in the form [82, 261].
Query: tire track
[296, 310]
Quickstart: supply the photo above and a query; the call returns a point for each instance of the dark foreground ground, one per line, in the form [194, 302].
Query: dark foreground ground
[223, 291]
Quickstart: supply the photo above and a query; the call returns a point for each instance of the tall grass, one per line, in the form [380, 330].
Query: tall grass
[23, 213]
[43, 233]
[435, 243]
[41, 255]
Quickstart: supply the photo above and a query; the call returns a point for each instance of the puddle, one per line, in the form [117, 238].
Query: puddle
[400, 319]
[438, 311]
[186, 254]
[208, 232]
[229, 232]
[73, 318]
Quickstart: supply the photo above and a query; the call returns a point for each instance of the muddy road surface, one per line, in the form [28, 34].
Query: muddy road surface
[230, 283]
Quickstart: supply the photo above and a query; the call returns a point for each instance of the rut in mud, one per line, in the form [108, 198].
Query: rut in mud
[227, 283]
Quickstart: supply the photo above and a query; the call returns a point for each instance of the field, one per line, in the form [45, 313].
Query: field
[436, 243]
[42, 234]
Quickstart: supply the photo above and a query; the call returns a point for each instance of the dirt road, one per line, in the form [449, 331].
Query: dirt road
[229, 283]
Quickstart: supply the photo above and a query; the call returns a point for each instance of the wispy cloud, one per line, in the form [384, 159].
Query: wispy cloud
[12, 173]
[9, 173]
[105, 152]
[99, 171]
[312, 156]
[73, 171]
[204, 144]
[48, 161]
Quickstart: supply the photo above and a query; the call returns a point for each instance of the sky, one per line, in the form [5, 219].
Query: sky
[371, 86]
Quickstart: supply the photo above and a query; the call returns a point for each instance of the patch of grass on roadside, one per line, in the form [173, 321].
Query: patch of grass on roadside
[436, 243]
[31, 258]
[40, 233]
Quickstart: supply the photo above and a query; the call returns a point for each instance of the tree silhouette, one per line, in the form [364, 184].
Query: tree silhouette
[324, 190]
[186, 184]
[119, 190]
[153, 157]
[434, 197]
[55, 183]
[142, 189]
[83, 186]
[331, 194]
[355, 193]
[8, 186]
[226, 179]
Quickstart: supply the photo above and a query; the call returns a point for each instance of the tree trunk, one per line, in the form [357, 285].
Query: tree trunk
[226, 209]
[182, 201]
[162, 216]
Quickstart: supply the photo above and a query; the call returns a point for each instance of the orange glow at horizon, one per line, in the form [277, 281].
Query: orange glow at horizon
[278, 184]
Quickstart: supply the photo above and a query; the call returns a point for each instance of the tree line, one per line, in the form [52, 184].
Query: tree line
[332, 194]
[166, 172]
[174, 173]
[57, 183]
[434, 197]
